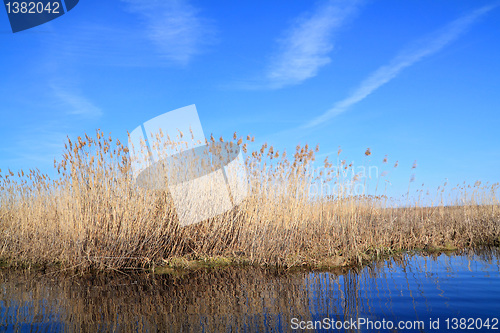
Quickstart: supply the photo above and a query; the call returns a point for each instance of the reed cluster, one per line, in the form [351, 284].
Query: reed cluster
[95, 216]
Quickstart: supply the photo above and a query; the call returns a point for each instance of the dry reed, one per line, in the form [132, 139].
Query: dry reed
[94, 216]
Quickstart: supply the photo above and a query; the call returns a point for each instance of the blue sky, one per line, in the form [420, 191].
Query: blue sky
[416, 80]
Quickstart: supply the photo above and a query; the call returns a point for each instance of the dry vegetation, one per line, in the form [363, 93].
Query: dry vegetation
[94, 216]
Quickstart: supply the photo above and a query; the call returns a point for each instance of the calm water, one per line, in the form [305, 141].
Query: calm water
[411, 291]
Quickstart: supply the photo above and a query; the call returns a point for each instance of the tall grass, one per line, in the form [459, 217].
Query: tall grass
[94, 216]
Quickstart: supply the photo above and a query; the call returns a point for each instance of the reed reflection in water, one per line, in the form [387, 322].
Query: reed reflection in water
[251, 299]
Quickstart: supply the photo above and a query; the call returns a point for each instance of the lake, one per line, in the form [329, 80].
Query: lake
[409, 293]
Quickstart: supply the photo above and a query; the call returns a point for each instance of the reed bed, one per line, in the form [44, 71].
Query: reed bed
[95, 216]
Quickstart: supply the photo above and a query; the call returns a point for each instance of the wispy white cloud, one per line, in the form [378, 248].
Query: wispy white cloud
[419, 50]
[175, 27]
[307, 44]
[157, 33]
[74, 103]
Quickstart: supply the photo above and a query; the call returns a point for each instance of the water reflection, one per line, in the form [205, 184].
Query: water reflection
[408, 288]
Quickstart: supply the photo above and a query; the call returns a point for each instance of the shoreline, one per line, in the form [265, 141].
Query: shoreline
[181, 266]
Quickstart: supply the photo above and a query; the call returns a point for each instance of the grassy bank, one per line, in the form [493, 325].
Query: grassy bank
[94, 216]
